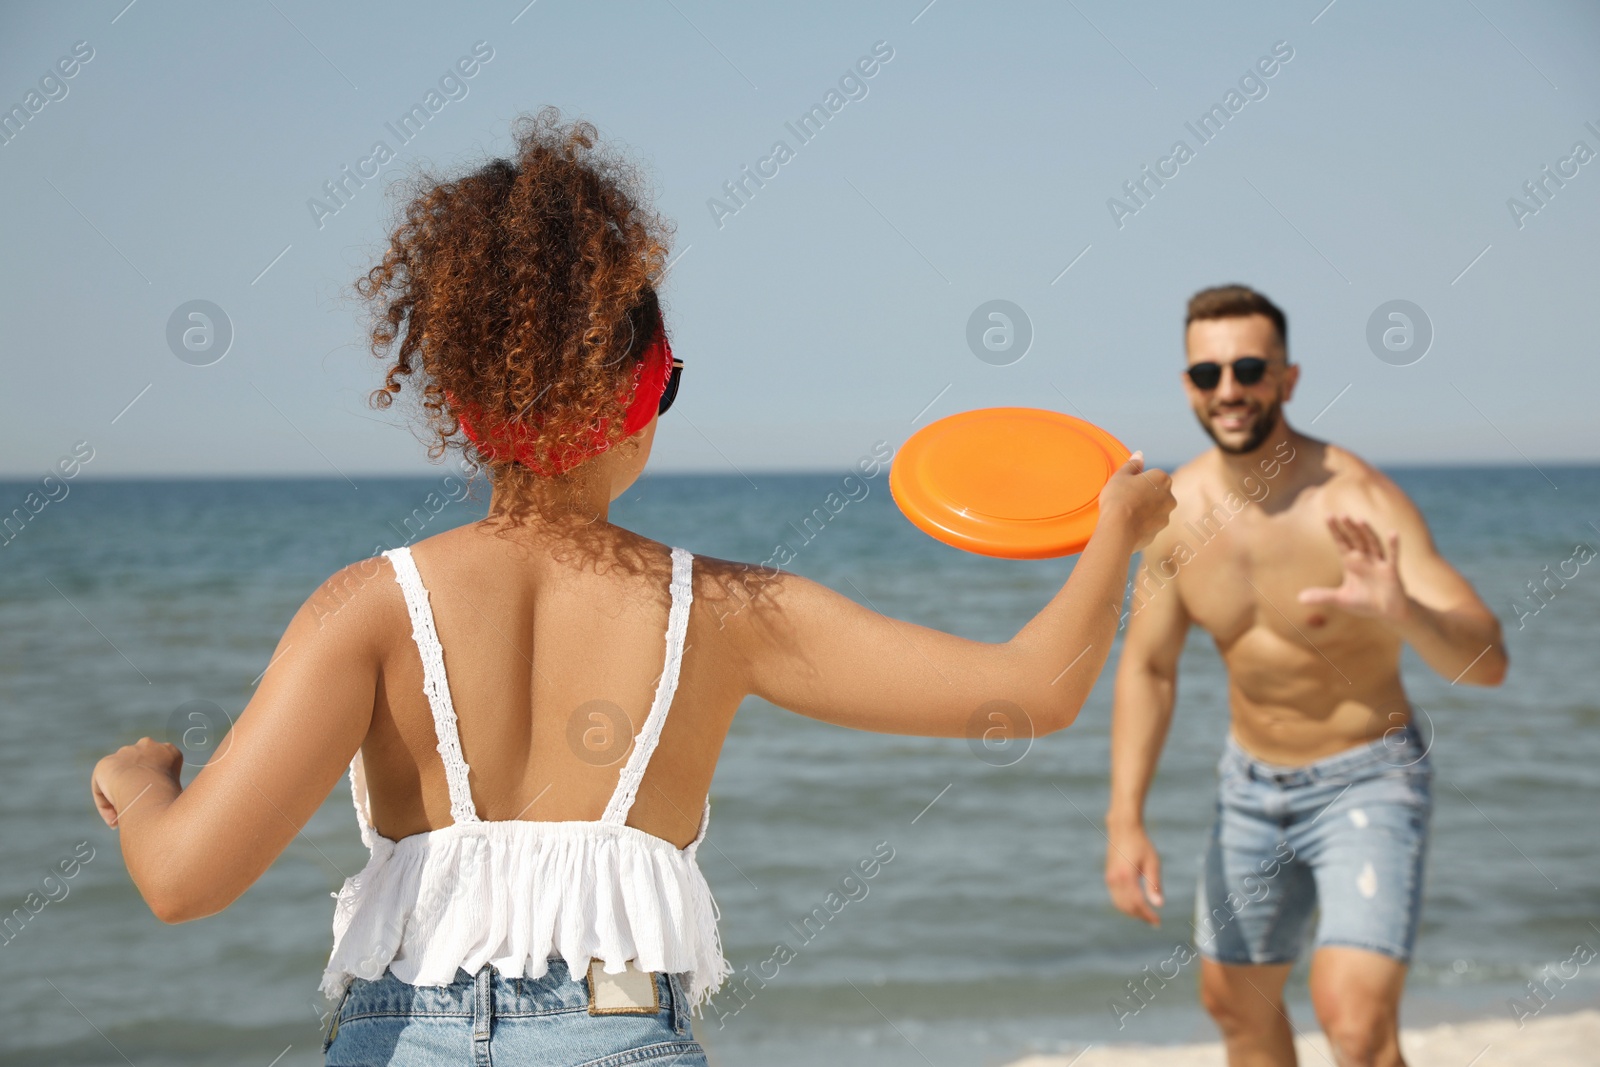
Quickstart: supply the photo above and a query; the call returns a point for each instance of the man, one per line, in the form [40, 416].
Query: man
[1275, 549]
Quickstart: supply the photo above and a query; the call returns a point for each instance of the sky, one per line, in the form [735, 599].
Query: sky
[847, 298]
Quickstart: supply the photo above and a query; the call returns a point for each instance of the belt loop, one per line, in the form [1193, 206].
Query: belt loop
[333, 1021]
[679, 1002]
[482, 1014]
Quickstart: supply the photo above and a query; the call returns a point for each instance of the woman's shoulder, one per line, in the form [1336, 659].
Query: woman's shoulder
[355, 615]
[588, 559]
[358, 597]
[613, 554]
[741, 596]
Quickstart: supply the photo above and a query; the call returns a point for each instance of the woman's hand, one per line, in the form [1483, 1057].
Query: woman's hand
[192, 851]
[1138, 500]
[116, 778]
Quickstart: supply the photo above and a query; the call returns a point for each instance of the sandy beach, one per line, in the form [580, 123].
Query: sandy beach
[1553, 1041]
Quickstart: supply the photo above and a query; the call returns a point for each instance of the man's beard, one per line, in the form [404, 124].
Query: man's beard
[1265, 423]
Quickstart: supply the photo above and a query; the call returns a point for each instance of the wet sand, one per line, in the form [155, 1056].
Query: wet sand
[1571, 1040]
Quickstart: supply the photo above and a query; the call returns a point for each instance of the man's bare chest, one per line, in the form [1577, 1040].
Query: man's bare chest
[1242, 567]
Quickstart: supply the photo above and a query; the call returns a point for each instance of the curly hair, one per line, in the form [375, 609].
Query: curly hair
[524, 290]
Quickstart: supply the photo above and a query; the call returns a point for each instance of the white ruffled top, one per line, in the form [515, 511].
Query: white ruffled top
[516, 894]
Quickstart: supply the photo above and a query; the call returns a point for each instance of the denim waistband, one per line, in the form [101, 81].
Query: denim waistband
[555, 991]
[1399, 749]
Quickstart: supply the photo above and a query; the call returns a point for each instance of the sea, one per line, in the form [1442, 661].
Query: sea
[985, 935]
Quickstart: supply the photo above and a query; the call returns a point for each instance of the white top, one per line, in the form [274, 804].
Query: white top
[515, 893]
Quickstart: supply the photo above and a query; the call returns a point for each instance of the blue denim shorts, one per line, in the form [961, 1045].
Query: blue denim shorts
[1346, 836]
[486, 1018]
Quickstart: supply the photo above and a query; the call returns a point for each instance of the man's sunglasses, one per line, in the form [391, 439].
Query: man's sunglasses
[670, 393]
[1246, 371]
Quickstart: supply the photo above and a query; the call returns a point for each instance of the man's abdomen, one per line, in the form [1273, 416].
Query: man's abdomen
[1297, 699]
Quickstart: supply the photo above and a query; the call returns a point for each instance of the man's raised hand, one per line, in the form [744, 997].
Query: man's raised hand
[1371, 586]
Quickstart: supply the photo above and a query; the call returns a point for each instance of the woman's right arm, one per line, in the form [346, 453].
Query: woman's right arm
[816, 652]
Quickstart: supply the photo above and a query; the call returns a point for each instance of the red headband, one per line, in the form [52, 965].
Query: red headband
[503, 440]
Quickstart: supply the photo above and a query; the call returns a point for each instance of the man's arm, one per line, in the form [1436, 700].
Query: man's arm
[1141, 712]
[1416, 593]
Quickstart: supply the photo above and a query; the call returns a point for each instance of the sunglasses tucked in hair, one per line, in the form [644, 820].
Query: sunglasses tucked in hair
[670, 393]
[1246, 371]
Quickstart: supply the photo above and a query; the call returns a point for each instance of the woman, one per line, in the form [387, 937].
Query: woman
[529, 766]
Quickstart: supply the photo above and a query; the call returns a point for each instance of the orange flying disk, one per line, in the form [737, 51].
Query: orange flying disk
[1021, 483]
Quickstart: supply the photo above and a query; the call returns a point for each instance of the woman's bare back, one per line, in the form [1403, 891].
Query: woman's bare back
[553, 646]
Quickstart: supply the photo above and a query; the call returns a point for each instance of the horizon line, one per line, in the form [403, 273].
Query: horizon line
[246, 476]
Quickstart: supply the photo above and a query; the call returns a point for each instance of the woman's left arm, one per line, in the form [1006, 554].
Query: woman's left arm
[194, 851]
